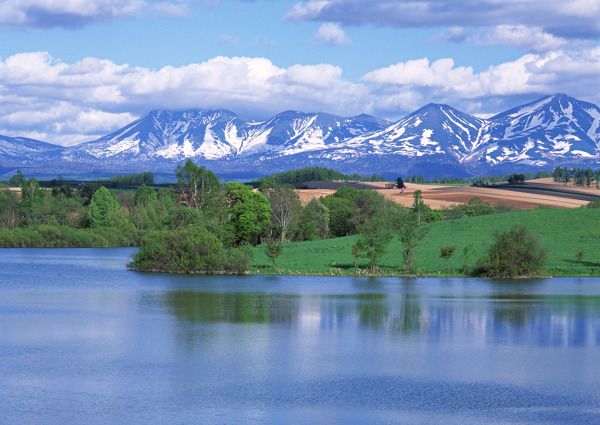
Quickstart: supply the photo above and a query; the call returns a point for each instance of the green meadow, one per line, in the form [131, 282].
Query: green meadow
[561, 232]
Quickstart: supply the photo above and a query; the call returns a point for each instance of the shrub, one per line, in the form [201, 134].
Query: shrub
[594, 204]
[188, 250]
[7, 238]
[239, 259]
[514, 253]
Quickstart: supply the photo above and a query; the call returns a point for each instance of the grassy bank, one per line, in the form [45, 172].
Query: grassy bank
[561, 232]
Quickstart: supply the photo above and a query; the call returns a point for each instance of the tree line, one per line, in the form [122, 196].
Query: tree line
[204, 225]
[582, 177]
[307, 174]
[477, 181]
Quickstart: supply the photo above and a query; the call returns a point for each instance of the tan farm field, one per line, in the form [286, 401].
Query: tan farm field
[540, 192]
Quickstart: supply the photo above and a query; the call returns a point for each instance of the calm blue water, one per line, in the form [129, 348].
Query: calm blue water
[84, 341]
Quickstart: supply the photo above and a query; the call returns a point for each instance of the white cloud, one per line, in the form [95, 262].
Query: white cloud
[79, 13]
[420, 72]
[576, 19]
[70, 103]
[520, 37]
[332, 35]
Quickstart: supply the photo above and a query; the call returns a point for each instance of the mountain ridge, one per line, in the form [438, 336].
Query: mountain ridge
[437, 138]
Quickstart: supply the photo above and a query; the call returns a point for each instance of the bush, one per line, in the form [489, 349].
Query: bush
[514, 253]
[239, 259]
[594, 204]
[189, 250]
[7, 238]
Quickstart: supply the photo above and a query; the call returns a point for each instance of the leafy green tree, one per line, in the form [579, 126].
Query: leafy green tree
[144, 195]
[476, 207]
[373, 240]
[103, 204]
[446, 253]
[515, 252]
[86, 192]
[17, 180]
[285, 205]
[367, 205]
[273, 249]
[410, 232]
[31, 202]
[181, 217]
[199, 187]
[350, 208]
[314, 222]
[8, 209]
[419, 207]
[341, 212]
[249, 213]
[30, 190]
[63, 192]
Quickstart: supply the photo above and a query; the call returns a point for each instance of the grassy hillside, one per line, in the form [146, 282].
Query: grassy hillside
[562, 232]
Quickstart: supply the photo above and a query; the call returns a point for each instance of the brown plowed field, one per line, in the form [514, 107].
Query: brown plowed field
[528, 196]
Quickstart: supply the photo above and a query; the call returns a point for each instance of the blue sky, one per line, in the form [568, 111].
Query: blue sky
[74, 70]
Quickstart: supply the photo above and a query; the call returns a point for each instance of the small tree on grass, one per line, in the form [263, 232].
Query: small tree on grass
[273, 249]
[373, 240]
[410, 233]
[579, 256]
[446, 253]
[515, 252]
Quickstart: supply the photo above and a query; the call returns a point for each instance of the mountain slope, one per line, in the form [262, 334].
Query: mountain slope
[552, 129]
[26, 151]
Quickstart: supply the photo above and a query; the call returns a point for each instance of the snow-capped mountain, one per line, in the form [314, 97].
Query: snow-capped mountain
[222, 135]
[552, 129]
[22, 149]
[436, 139]
[432, 130]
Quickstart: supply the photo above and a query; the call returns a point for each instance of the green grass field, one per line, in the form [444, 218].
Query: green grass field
[561, 232]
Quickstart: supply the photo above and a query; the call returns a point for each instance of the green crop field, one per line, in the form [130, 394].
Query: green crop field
[561, 232]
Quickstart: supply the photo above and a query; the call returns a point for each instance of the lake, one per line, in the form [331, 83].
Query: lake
[85, 341]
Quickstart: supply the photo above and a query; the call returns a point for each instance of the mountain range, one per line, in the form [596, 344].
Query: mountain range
[437, 139]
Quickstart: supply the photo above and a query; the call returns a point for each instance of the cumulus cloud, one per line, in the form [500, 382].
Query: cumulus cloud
[71, 103]
[95, 96]
[332, 35]
[579, 19]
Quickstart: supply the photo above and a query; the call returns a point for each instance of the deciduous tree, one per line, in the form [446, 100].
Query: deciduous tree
[285, 205]
[249, 212]
[103, 204]
[273, 249]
